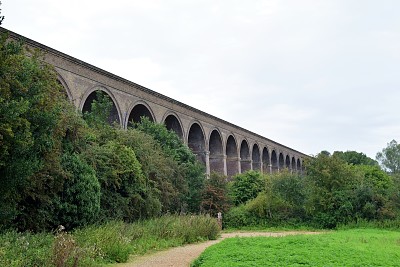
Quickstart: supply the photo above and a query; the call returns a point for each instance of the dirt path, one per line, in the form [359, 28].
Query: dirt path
[183, 256]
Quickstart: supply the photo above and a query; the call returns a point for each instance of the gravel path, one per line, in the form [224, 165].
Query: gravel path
[183, 256]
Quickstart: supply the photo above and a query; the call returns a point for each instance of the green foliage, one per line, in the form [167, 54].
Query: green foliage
[367, 247]
[111, 242]
[215, 195]
[246, 186]
[355, 158]
[33, 114]
[25, 249]
[281, 201]
[80, 198]
[189, 173]
[100, 111]
[390, 157]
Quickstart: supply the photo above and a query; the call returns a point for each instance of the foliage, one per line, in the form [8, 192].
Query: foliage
[342, 248]
[34, 119]
[189, 172]
[107, 243]
[215, 195]
[282, 201]
[390, 157]
[355, 158]
[80, 199]
[25, 249]
[246, 186]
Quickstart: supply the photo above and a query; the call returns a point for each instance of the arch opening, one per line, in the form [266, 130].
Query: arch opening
[232, 159]
[216, 152]
[287, 162]
[293, 167]
[245, 160]
[100, 97]
[256, 159]
[274, 161]
[137, 113]
[196, 142]
[298, 165]
[266, 161]
[281, 162]
[172, 123]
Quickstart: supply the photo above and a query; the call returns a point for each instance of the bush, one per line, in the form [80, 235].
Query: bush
[215, 195]
[246, 186]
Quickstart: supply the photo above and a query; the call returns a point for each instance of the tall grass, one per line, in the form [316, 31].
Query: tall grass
[107, 243]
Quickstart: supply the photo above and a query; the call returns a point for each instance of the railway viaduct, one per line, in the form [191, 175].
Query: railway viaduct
[221, 146]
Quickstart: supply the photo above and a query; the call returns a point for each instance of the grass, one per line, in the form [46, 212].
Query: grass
[356, 247]
[108, 243]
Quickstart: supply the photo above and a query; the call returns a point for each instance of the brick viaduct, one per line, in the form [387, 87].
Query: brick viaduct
[220, 145]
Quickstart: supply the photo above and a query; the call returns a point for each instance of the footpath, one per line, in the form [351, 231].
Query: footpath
[183, 256]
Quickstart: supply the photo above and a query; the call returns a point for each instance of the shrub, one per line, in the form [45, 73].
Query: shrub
[246, 186]
[215, 195]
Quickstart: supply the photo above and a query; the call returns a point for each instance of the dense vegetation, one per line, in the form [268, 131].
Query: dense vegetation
[111, 242]
[361, 247]
[58, 167]
[336, 190]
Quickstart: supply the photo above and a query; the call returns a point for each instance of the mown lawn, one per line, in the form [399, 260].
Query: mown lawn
[357, 247]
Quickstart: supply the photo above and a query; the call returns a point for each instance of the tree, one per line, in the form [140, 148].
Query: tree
[33, 114]
[355, 158]
[390, 157]
[246, 186]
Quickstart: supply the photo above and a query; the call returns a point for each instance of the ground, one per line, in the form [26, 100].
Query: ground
[183, 256]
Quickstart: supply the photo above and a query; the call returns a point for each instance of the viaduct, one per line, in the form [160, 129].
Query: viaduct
[221, 146]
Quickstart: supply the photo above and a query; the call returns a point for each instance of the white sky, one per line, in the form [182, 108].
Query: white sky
[313, 75]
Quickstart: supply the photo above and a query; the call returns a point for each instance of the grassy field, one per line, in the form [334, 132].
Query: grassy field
[358, 247]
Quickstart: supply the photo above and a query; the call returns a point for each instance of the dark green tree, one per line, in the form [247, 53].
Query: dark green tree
[189, 173]
[32, 115]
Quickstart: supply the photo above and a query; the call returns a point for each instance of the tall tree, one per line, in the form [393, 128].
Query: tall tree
[390, 157]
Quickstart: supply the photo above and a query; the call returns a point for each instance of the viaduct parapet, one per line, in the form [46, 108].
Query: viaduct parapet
[221, 146]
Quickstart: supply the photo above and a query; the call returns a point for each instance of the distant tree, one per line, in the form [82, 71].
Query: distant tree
[390, 157]
[355, 158]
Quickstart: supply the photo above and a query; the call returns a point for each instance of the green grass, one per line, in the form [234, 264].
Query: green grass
[98, 245]
[357, 247]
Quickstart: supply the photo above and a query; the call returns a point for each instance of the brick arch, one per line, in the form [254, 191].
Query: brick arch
[64, 84]
[293, 164]
[281, 161]
[232, 156]
[245, 158]
[90, 95]
[274, 161]
[196, 141]
[298, 165]
[266, 160]
[287, 162]
[173, 123]
[216, 151]
[139, 109]
[256, 157]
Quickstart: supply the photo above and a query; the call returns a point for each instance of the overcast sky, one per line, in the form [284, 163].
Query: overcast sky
[313, 75]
